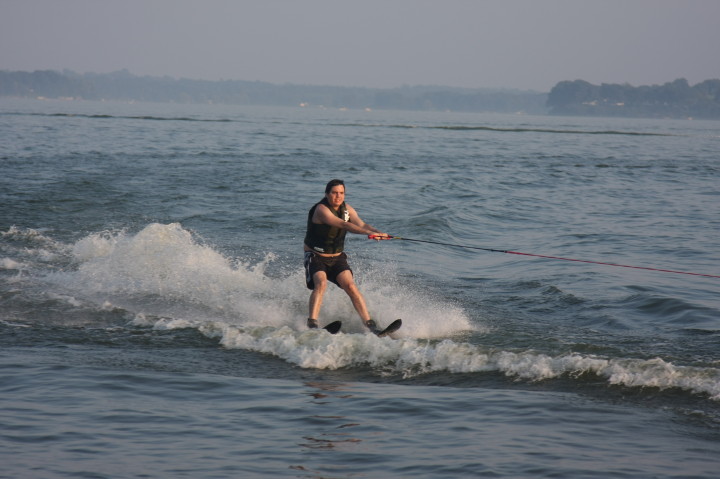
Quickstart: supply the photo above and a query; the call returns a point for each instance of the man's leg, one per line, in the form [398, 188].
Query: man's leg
[316, 297]
[347, 283]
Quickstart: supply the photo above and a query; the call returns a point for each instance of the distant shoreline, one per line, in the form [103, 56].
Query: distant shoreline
[675, 99]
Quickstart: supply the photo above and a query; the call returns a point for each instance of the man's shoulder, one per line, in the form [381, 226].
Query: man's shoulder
[319, 210]
[322, 212]
[320, 206]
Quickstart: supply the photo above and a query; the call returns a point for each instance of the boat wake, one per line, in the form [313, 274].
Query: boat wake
[164, 278]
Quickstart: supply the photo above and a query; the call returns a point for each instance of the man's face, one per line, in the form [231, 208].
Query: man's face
[336, 196]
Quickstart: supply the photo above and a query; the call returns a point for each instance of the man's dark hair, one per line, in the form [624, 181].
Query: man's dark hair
[332, 183]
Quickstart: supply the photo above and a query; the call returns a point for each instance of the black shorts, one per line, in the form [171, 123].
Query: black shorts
[332, 266]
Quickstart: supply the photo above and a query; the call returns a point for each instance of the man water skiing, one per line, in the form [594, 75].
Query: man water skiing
[328, 222]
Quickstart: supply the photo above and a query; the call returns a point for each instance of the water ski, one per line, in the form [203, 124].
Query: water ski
[394, 326]
[333, 327]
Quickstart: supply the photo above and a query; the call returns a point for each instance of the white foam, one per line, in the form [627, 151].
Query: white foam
[72, 301]
[8, 263]
[166, 263]
[27, 234]
[411, 357]
[34, 244]
[171, 281]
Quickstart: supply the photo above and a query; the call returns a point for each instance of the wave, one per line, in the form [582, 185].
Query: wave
[28, 247]
[126, 117]
[549, 130]
[165, 278]
[412, 357]
[509, 130]
[355, 125]
[164, 270]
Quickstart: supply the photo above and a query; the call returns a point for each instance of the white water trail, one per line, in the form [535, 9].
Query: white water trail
[168, 280]
[164, 271]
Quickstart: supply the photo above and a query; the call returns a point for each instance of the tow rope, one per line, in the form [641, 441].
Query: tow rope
[377, 237]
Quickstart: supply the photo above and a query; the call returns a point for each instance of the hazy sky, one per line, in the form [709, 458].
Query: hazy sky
[526, 44]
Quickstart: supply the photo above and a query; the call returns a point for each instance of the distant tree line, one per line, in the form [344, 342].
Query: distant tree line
[675, 99]
[124, 86]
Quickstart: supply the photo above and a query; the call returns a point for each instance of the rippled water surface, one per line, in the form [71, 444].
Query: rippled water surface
[152, 302]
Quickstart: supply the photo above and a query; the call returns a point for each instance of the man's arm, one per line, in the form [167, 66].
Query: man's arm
[356, 220]
[355, 224]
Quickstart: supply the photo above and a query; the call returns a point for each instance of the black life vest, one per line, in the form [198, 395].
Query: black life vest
[325, 238]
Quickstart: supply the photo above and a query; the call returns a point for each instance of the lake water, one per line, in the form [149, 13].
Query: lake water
[152, 299]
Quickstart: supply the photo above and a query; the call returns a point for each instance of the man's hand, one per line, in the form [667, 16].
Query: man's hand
[379, 236]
